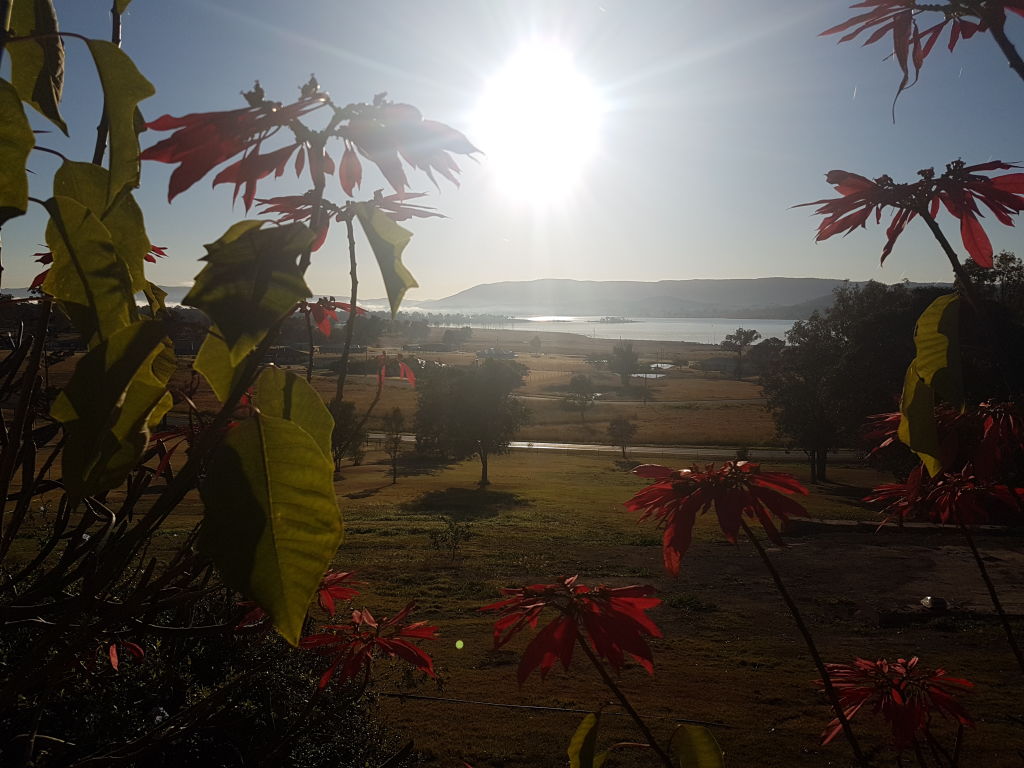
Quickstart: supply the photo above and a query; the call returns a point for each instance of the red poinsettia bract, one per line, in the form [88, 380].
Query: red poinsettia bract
[334, 586]
[325, 312]
[904, 693]
[959, 190]
[613, 620]
[953, 497]
[203, 140]
[736, 489]
[352, 647]
[911, 45]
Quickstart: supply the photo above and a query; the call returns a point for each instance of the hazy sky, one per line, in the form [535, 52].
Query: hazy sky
[702, 123]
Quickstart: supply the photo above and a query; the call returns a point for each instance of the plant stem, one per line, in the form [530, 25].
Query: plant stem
[309, 340]
[614, 688]
[964, 280]
[104, 126]
[6, 9]
[350, 323]
[826, 681]
[992, 594]
[996, 27]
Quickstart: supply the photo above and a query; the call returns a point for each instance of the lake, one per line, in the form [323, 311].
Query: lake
[703, 330]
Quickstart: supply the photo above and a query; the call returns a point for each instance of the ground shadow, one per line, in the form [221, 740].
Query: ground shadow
[465, 504]
[365, 493]
[413, 465]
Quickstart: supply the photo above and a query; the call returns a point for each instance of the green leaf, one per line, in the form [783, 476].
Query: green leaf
[16, 141]
[88, 278]
[121, 5]
[117, 390]
[250, 281]
[123, 88]
[583, 745]
[388, 240]
[37, 66]
[272, 523]
[89, 185]
[282, 394]
[213, 361]
[935, 373]
[156, 296]
[937, 338]
[694, 746]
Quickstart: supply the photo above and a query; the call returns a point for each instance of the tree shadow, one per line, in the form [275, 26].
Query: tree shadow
[365, 493]
[413, 465]
[465, 504]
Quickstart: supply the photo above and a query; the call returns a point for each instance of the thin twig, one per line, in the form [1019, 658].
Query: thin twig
[826, 681]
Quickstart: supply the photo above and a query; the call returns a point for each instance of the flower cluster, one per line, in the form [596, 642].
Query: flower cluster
[613, 620]
[904, 693]
[959, 190]
[953, 497]
[352, 647]
[911, 45]
[736, 489]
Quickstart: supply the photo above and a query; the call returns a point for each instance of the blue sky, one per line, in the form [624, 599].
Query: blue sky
[717, 117]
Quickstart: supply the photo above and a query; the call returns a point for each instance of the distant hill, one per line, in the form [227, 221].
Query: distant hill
[764, 297]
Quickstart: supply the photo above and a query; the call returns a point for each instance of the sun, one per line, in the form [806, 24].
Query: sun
[538, 121]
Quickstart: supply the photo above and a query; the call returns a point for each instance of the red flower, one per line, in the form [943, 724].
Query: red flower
[958, 189]
[126, 645]
[352, 647]
[154, 251]
[911, 46]
[45, 257]
[325, 312]
[613, 620]
[953, 497]
[203, 140]
[404, 371]
[904, 693]
[335, 585]
[737, 489]
[383, 130]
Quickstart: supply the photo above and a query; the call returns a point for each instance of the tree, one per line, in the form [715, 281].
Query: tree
[581, 394]
[535, 344]
[467, 411]
[621, 431]
[841, 366]
[394, 426]
[624, 360]
[737, 341]
[762, 356]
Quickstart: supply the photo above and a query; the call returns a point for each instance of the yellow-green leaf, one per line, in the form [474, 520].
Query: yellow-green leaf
[88, 278]
[388, 240]
[16, 141]
[272, 523]
[37, 66]
[156, 296]
[694, 746]
[123, 88]
[282, 394]
[250, 281]
[121, 5]
[213, 361]
[89, 184]
[582, 749]
[917, 429]
[118, 389]
[937, 339]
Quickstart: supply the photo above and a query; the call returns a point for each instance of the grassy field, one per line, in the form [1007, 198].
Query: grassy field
[730, 653]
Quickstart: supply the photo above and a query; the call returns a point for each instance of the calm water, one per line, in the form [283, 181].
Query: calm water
[704, 330]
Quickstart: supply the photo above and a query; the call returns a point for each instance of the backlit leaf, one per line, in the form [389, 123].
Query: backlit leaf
[37, 66]
[287, 396]
[583, 746]
[16, 141]
[934, 374]
[156, 296]
[88, 278]
[123, 88]
[89, 185]
[694, 746]
[117, 391]
[272, 523]
[121, 5]
[250, 281]
[213, 361]
[388, 240]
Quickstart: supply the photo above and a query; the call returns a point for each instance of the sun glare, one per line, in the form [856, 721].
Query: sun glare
[538, 121]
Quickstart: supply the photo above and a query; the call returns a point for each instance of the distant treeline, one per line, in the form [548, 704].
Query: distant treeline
[460, 320]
